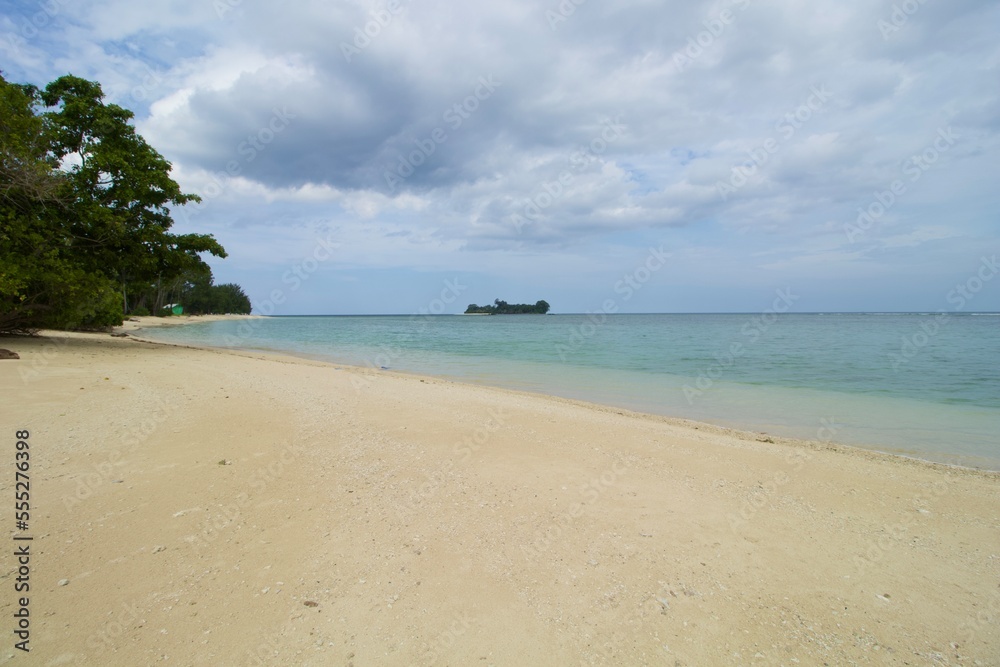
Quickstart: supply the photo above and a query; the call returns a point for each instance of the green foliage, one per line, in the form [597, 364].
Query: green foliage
[38, 280]
[200, 296]
[196, 291]
[84, 212]
[230, 298]
[193, 289]
[503, 308]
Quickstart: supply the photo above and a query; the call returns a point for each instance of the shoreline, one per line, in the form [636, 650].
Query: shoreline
[983, 464]
[682, 422]
[193, 497]
[136, 322]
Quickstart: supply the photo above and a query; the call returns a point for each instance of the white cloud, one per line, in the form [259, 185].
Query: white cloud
[205, 86]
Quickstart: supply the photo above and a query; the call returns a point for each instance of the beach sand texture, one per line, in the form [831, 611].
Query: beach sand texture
[203, 507]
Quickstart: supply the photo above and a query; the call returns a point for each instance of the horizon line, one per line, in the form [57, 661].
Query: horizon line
[728, 312]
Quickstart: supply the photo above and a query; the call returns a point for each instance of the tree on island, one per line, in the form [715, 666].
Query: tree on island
[85, 212]
[199, 296]
[503, 308]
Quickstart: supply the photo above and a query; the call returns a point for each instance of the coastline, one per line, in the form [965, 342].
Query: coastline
[431, 520]
[707, 427]
[152, 321]
[824, 430]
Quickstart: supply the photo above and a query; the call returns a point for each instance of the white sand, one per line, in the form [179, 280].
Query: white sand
[219, 508]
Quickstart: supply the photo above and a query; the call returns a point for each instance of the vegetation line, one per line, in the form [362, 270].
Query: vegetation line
[85, 217]
[503, 308]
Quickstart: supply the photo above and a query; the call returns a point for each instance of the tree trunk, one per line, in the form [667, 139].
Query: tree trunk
[158, 304]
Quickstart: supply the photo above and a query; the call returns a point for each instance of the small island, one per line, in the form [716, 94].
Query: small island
[503, 308]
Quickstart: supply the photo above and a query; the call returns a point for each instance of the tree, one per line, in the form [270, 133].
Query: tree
[503, 308]
[84, 210]
[230, 298]
[120, 184]
[40, 283]
[196, 291]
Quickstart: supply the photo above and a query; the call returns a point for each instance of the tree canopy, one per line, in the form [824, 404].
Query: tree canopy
[85, 212]
[503, 308]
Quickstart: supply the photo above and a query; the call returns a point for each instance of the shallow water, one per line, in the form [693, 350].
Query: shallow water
[920, 384]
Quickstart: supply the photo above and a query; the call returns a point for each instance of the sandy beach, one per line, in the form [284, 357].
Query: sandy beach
[205, 507]
[151, 322]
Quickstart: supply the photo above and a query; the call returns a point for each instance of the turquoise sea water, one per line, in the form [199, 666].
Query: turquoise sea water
[924, 385]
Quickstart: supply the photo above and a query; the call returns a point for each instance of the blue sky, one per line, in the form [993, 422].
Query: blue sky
[361, 157]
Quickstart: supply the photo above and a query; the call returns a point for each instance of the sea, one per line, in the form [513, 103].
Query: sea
[924, 385]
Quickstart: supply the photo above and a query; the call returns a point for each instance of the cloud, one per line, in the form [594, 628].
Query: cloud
[441, 128]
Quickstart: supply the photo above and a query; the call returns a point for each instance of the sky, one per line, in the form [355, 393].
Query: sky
[411, 156]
